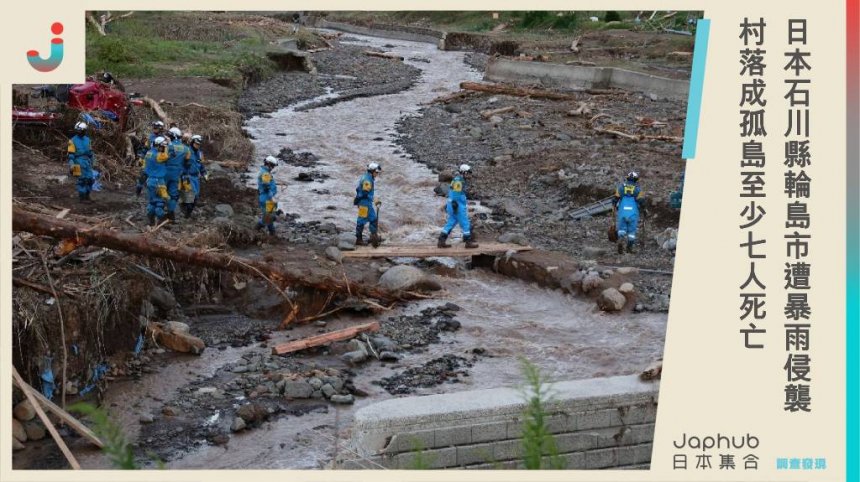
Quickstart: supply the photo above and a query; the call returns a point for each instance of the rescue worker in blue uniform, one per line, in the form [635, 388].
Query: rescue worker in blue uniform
[627, 202]
[267, 189]
[457, 211]
[180, 154]
[193, 171]
[81, 161]
[157, 131]
[364, 193]
[155, 168]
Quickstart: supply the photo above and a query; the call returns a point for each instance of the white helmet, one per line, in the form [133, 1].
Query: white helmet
[81, 126]
[160, 141]
[196, 138]
[158, 124]
[175, 132]
[464, 168]
[374, 167]
[271, 160]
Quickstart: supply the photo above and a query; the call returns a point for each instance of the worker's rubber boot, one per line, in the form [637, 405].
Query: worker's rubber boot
[82, 197]
[171, 216]
[87, 197]
[359, 239]
[271, 230]
[150, 219]
[442, 243]
[259, 226]
[375, 240]
[470, 242]
[622, 243]
[631, 247]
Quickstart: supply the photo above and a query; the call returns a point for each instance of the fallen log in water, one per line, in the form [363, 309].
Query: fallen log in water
[176, 340]
[383, 55]
[325, 339]
[23, 220]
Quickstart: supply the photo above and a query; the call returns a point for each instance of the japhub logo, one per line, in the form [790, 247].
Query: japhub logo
[56, 56]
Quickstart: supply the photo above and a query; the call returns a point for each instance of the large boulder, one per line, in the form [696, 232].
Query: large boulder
[591, 282]
[24, 411]
[334, 254]
[18, 431]
[35, 430]
[513, 238]
[404, 277]
[611, 299]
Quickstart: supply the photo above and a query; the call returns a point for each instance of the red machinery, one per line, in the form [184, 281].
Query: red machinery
[99, 96]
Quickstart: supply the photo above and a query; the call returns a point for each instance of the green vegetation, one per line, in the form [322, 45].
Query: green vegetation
[159, 43]
[540, 450]
[116, 448]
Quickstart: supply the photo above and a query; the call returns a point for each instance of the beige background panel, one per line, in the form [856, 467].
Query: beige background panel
[710, 382]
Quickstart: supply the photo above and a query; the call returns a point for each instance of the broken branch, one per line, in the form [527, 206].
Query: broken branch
[325, 339]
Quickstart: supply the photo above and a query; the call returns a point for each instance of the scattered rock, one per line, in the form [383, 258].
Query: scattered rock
[252, 413]
[515, 238]
[170, 411]
[16, 445]
[297, 389]
[573, 282]
[627, 270]
[238, 425]
[146, 418]
[514, 209]
[388, 356]
[177, 327]
[591, 281]
[343, 399]
[328, 390]
[611, 300]
[222, 438]
[404, 277]
[35, 430]
[626, 288]
[24, 411]
[354, 357]
[18, 432]
[593, 252]
[334, 254]
[346, 242]
[224, 210]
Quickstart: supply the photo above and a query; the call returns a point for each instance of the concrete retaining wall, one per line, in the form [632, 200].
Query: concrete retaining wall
[413, 34]
[597, 423]
[579, 77]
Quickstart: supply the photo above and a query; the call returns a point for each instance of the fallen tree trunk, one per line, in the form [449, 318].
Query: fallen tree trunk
[156, 107]
[325, 339]
[23, 220]
[515, 91]
[384, 55]
[177, 341]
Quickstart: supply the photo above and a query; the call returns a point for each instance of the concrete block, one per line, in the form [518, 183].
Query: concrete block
[642, 433]
[509, 465]
[557, 423]
[489, 432]
[642, 413]
[573, 461]
[625, 456]
[596, 419]
[599, 459]
[575, 442]
[508, 450]
[642, 453]
[475, 454]
[411, 441]
[429, 459]
[446, 437]
[515, 429]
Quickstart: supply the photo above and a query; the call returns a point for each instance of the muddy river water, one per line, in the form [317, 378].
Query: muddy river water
[567, 337]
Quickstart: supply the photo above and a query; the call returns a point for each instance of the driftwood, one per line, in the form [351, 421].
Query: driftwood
[156, 107]
[23, 220]
[515, 91]
[384, 55]
[63, 415]
[28, 391]
[325, 339]
[95, 23]
[490, 113]
[449, 97]
[582, 109]
[574, 46]
[639, 137]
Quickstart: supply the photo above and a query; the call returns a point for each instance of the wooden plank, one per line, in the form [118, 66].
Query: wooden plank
[324, 339]
[28, 391]
[430, 250]
[71, 421]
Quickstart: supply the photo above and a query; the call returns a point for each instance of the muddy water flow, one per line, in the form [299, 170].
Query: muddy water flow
[502, 319]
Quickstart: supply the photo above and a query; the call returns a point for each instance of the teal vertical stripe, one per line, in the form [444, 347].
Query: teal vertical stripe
[697, 81]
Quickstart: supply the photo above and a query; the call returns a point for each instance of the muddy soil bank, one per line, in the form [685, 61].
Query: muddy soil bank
[343, 69]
